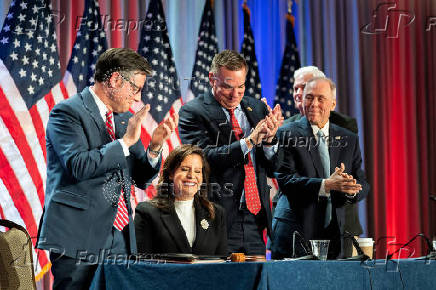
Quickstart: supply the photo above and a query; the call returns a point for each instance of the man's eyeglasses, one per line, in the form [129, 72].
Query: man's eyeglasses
[135, 88]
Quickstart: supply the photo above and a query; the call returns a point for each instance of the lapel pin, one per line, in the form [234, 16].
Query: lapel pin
[250, 109]
[204, 224]
[338, 137]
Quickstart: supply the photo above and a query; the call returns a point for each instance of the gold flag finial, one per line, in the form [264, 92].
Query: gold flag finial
[290, 6]
[245, 7]
[289, 15]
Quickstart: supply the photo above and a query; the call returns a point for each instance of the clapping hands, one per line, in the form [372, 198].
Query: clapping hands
[343, 182]
[269, 125]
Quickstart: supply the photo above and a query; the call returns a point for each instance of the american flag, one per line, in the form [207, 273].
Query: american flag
[206, 50]
[29, 87]
[253, 87]
[290, 63]
[162, 89]
[89, 44]
[252, 84]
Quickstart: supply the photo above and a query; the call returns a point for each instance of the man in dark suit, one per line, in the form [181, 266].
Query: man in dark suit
[237, 133]
[94, 155]
[301, 76]
[321, 173]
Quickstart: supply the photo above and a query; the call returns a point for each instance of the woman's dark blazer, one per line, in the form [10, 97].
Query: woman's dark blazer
[159, 231]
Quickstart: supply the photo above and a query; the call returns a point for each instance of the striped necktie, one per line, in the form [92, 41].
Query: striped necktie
[122, 217]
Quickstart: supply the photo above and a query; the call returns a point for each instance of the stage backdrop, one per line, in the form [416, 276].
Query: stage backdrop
[381, 54]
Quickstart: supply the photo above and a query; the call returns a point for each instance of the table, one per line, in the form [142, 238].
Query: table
[375, 274]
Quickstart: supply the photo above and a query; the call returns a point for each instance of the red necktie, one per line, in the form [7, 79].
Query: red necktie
[122, 217]
[250, 187]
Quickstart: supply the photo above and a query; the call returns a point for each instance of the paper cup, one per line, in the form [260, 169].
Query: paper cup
[367, 246]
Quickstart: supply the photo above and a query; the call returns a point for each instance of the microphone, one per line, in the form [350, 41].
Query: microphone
[361, 256]
[307, 250]
[430, 248]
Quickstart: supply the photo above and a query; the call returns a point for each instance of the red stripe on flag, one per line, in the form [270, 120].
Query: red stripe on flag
[11, 183]
[2, 214]
[39, 128]
[63, 90]
[172, 112]
[19, 137]
[150, 191]
[49, 99]
[145, 137]
[133, 194]
[170, 145]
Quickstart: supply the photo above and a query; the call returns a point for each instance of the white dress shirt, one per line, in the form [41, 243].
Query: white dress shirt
[186, 212]
[103, 110]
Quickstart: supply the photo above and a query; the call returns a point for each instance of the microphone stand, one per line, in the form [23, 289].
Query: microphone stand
[431, 251]
[308, 251]
[361, 256]
[432, 207]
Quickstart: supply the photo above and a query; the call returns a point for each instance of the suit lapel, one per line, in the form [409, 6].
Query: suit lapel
[334, 147]
[121, 121]
[218, 117]
[202, 223]
[174, 227]
[91, 107]
[251, 111]
[313, 150]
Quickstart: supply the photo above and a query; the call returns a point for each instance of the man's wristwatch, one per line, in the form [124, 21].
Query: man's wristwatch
[351, 196]
[156, 152]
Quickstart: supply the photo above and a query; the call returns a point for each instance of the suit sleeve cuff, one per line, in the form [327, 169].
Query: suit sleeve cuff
[322, 191]
[244, 147]
[270, 151]
[153, 160]
[125, 148]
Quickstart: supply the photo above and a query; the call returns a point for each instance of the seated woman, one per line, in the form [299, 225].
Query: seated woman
[180, 219]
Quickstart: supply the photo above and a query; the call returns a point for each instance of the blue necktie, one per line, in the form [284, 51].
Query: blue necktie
[325, 160]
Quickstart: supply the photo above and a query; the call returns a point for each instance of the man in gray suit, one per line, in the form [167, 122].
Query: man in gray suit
[94, 156]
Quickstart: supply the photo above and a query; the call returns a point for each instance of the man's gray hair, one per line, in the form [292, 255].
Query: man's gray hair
[313, 70]
[317, 79]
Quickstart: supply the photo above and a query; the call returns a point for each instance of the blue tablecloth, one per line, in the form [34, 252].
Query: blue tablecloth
[379, 274]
